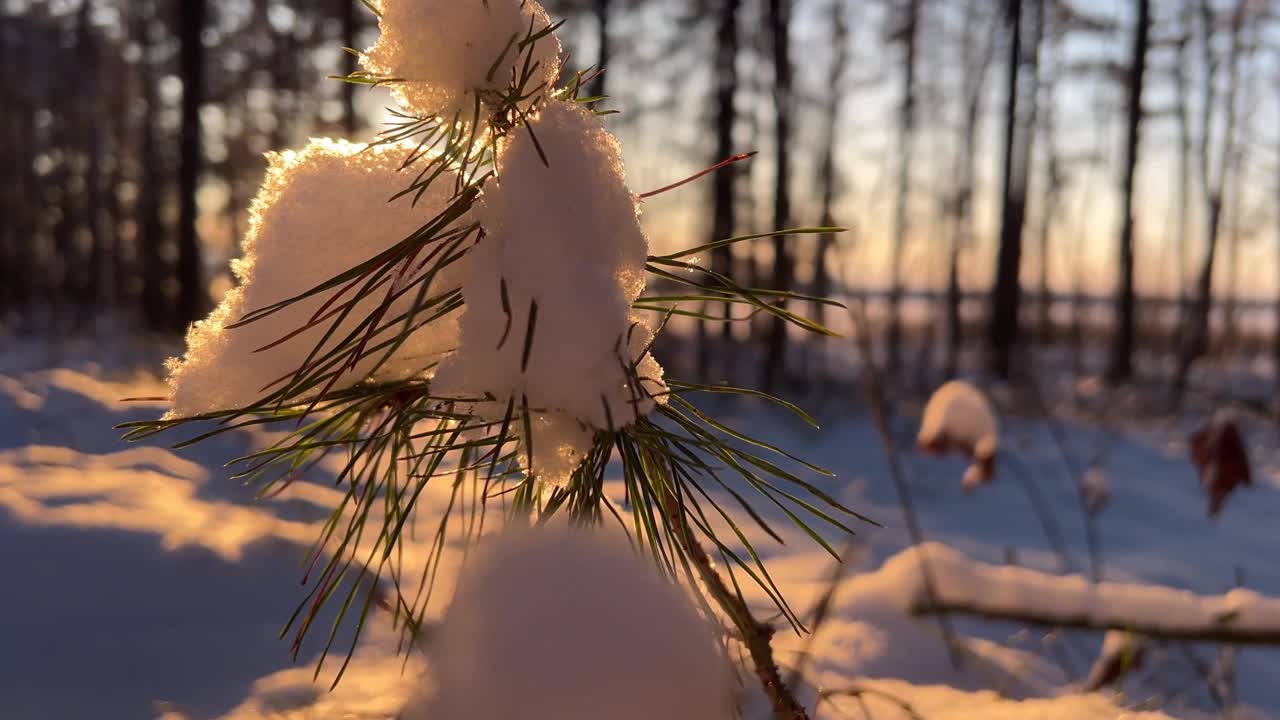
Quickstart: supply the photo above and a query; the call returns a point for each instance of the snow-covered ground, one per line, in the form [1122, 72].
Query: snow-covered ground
[140, 582]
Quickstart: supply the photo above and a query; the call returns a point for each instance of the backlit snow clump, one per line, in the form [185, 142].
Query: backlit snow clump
[320, 211]
[443, 54]
[547, 319]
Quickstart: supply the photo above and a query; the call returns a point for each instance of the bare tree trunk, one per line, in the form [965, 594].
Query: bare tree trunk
[1006, 296]
[1049, 209]
[780, 27]
[909, 33]
[598, 85]
[1276, 330]
[12, 167]
[827, 171]
[192, 297]
[151, 240]
[350, 31]
[91, 129]
[1181, 83]
[1121, 364]
[977, 60]
[1197, 342]
[724, 182]
[285, 95]
[1230, 299]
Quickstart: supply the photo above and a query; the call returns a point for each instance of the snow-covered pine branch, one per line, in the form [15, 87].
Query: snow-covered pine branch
[1022, 595]
[462, 294]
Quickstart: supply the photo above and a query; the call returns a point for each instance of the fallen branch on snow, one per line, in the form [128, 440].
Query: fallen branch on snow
[1016, 594]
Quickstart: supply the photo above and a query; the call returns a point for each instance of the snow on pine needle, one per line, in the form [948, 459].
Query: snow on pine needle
[547, 322]
[560, 623]
[320, 211]
[440, 56]
[959, 418]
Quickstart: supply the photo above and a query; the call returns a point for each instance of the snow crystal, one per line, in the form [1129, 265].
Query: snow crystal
[442, 54]
[560, 444]
[959, 418]
[535, 632]
[547, 298]
[321, 211]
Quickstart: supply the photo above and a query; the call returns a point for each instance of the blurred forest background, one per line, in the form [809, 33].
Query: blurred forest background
[1099, 178]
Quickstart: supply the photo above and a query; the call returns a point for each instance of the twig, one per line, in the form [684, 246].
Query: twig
[1077, 478]
[822, 611]
[1051, 530]
[859, 693]
[875, 398]
[756, 636]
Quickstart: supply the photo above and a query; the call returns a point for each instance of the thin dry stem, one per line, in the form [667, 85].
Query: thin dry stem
[756, 636]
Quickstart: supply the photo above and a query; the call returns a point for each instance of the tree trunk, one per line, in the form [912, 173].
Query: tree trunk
[90, 141]
[1230, 299]
[906, 139]
[1276, 330]
[151, 240]
[350, 31]
[11, 169]
[780, 26]
[1121, 364]
[1006, 297]
[192, 299]
[1198, 335]
[1183, 105]
[724, 182]
[827, 171]
[1049, 210]
[977, 60]
[598, 85]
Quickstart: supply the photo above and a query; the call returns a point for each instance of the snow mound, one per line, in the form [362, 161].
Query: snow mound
[959, 418]
[547, 314]
[139, 490]
[321, 211]
[443, 54]
[556, 623]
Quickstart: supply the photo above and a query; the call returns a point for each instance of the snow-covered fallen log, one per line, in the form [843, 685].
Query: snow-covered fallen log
[1027, 596]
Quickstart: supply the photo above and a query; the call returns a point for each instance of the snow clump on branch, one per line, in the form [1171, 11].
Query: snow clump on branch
[959, 418]
[547, 321]
[440, 55]
[320, 211]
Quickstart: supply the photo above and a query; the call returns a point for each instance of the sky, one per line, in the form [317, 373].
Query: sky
[1089, 116]
[661, 90]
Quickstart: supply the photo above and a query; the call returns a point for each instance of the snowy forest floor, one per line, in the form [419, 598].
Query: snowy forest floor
[141, 582]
